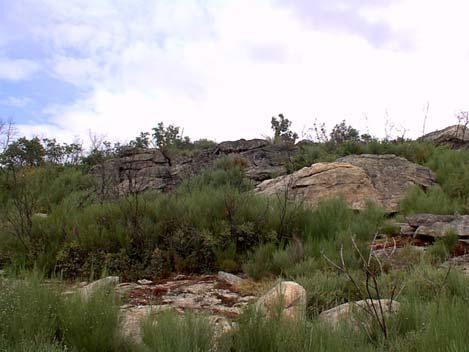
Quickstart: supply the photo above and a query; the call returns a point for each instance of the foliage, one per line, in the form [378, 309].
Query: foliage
[165, 137]
[344, 133]
[90, 325]
[173, 333]
[282, 132]
[35, 317]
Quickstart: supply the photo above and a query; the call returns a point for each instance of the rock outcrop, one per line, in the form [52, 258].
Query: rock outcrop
[359, 312]
[287, 297]
[211, 295]
[382, 179]
[456, 136]
[137, 169]
[431, 226]
[324, 180]
[391, 176]
[107, 282]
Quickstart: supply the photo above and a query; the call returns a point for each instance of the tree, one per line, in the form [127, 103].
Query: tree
[171, 136]
[282, 133]
[344, 133]
[24, 152]
[142, 141]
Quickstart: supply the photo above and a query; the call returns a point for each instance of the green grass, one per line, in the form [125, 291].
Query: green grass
[173, 333]
[34, 316]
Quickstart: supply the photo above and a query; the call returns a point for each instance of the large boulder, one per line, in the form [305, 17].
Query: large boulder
[456, 136]
[360, 312]
[287, 297]
[324, 180]
[391, 176]
[382, 179]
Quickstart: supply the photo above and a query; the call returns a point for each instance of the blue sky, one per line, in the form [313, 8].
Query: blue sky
[222, 68]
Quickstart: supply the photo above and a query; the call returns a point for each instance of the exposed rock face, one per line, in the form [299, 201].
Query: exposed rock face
[208, 294]
[453, 136]
[324, 180]
[359, 312]
[141, 169]
[382, 179]
[391, 176]
[288, 296]
[431, 226]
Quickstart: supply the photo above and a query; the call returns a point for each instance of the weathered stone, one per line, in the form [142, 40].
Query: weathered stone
[428, 219]
[431, 226]
[456, 136]
[287, 297]
[230, 278]
[87, 291]
[241, 145]
[324, 180]
[383, 179]
[208, 294]
[362, 312]
[137, 169]
[391, 176]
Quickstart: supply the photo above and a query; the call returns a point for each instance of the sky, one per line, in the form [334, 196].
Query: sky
[221, 69]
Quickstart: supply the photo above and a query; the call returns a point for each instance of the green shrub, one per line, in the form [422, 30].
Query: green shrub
[260, 262]
[330, 218]
[173, 333]
[28, 313]
[434, 201]
[442, 248]
[91, 324]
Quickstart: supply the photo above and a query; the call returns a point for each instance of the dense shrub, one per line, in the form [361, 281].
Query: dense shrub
[173, 333]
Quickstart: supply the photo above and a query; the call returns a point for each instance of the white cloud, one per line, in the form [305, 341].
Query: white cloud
[17, 70]
[221, 70]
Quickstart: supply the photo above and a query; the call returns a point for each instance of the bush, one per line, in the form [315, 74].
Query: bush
[443, 247]
[434, 201]
[173, 333]
[28, 314]
[92, 324]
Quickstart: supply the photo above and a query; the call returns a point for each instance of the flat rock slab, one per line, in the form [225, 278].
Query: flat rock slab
[207, 294]
[431, 226]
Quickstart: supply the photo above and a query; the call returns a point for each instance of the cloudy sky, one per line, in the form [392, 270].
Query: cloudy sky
[222, 68]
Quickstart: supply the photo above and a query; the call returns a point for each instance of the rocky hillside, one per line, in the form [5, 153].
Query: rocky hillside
[144, 169]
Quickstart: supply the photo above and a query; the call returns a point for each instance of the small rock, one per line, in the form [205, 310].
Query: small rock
[144, 282]
[289, 295]
[88, 290]
[364, 308]
[229, 278]
[131, 319]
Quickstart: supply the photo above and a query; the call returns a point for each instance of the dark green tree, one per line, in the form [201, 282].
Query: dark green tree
[344, 133]
[24, 152]
[282, 132]
[171, 136]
